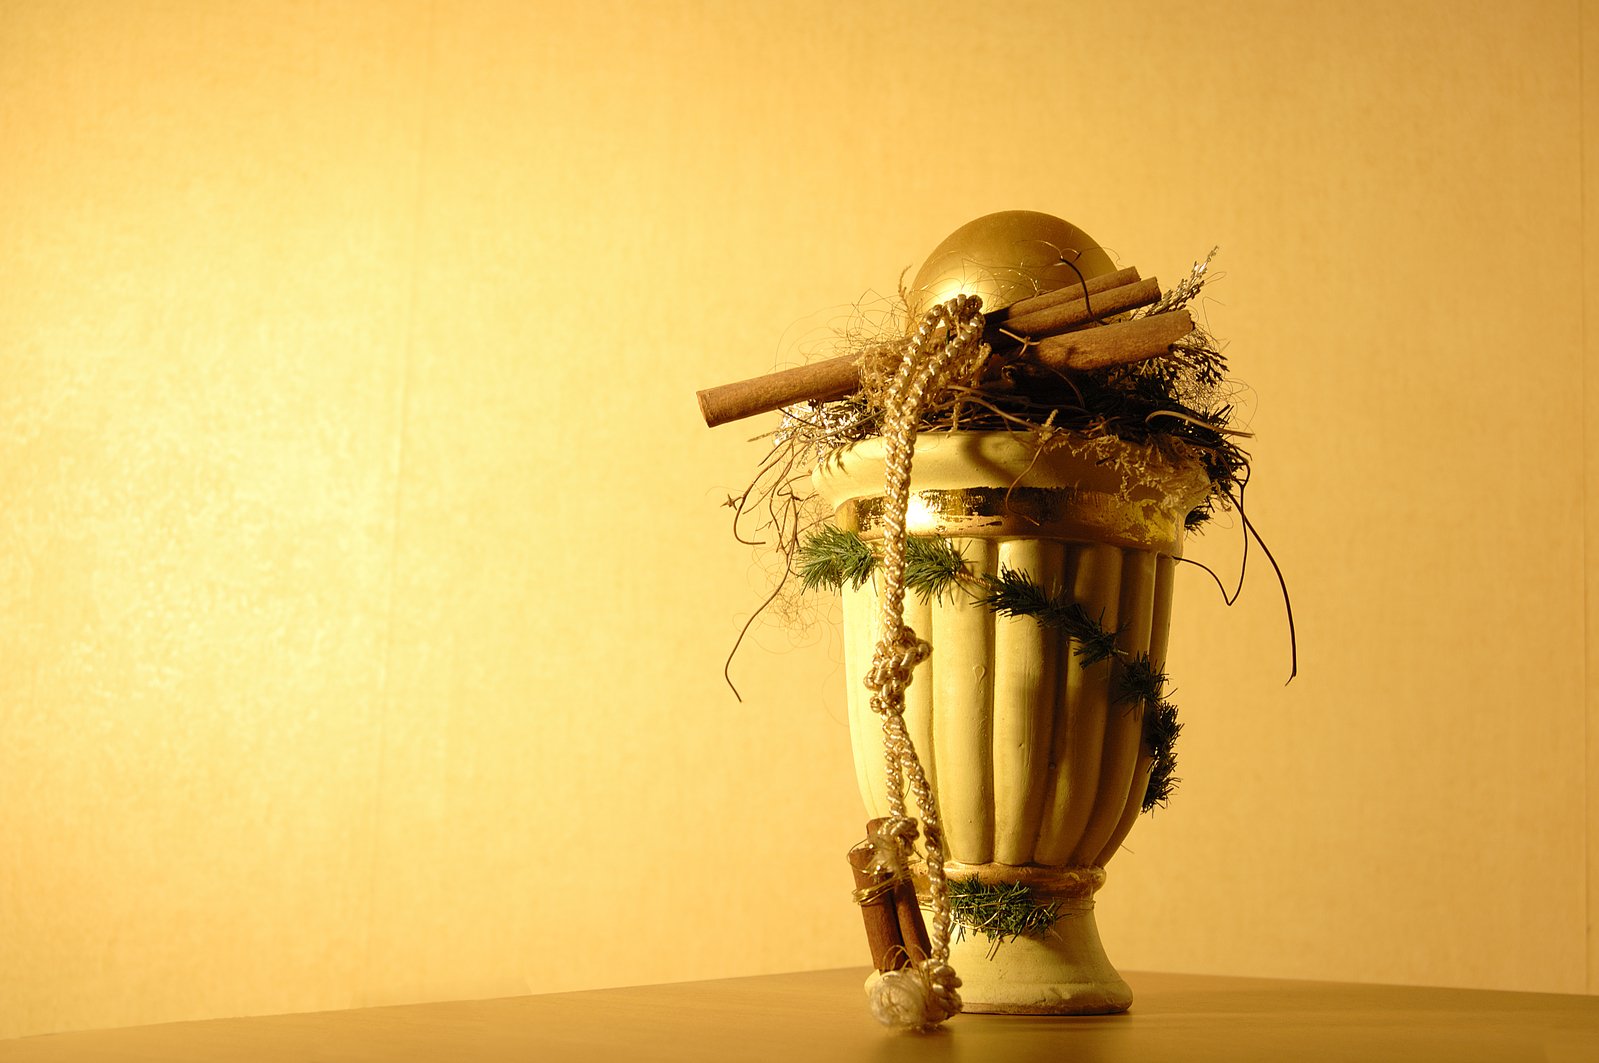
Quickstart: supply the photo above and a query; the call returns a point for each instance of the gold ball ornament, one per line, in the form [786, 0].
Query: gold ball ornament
[1006, 257]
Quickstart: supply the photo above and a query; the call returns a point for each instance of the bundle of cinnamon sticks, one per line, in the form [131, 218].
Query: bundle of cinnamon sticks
[1062, 329]
[895, 930]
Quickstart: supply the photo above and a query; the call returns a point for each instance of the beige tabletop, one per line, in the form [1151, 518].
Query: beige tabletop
[821, 1015]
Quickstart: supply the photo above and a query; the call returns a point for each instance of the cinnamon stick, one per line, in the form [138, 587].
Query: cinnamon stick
[913, 942]
[912, 927]
[1070, 294]
[1118, 344]
[879, 910]
[1041, 315]
[821, 381]
[1064, 315]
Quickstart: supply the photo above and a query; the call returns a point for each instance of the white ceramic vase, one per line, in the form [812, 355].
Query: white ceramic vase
[1038, 774]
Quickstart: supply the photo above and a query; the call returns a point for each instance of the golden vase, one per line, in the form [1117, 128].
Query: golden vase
[1038, 772]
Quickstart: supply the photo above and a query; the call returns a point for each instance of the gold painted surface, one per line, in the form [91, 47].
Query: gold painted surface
[1032, 512]
[1002, 485]
[1007, 256]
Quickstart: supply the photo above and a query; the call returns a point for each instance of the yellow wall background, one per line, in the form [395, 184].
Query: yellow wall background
[363, 579]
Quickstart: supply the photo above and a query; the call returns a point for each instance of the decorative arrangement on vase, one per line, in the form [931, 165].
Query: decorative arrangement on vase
[1002, 492]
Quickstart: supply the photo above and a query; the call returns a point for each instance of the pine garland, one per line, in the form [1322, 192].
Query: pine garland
[1139, 681]
[933, 567]
[1160, 737]
[1012, 593]
[831, 557]
[1000, 912]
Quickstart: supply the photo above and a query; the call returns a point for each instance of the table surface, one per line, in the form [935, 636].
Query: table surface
[821, 1015]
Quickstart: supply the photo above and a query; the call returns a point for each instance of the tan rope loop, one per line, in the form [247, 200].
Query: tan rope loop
[949, 335]
[891, 838]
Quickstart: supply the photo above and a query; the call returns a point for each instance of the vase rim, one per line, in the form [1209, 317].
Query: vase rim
[1009, 485]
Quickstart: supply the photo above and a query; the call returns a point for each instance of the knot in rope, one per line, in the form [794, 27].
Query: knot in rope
[891, 840]
[893, 663]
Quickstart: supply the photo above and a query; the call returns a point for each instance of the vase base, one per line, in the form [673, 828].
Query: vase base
[1063, 972]
[1085, 1000]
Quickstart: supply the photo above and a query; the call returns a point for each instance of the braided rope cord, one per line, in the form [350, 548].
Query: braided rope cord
[949, 335]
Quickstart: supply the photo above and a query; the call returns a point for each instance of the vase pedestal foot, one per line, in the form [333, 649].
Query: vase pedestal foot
[1062, 972]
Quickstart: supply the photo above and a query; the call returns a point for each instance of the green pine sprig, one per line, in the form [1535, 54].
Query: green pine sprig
[933, 566]
[831, 557]
[1013, 593]
[1138, 682]
[1161, 729]
[1000, 911]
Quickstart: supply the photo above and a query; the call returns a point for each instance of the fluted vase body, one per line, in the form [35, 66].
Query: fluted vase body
[1038, 769]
